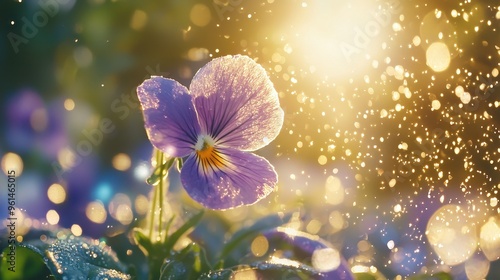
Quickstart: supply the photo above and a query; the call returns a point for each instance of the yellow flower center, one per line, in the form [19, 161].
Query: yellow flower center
[208, 156]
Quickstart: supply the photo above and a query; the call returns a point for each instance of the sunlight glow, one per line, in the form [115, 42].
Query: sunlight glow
[333, 34]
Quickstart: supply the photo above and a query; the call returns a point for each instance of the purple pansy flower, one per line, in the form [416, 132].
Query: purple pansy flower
[230, 109]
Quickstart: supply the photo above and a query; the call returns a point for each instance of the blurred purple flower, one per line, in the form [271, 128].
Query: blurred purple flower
[230, 109]
[33, 125]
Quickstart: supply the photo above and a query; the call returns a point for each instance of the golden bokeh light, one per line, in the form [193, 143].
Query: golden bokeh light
[245, 274]
[336, 220]
[200, 15]
[314, 226]
[120, 208]
[438, 57]
[76, 230]
[56, 193]
[12, 162]
[334, 190]
[52, 217]
[66, 158]
[451, 234]
[197, 54]
[489, 239]
[138, 20]
[326, 259]
[322, 159]
[69, 104]
[259, 246]
[124, 214]
[141, 204]
[477, 267]
[121, 162]
[96, 212]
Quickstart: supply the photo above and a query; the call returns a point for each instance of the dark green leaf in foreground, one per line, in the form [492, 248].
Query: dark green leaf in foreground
[246, 234]
[186, 264]
[223, 274]
[437, 276]
[27, 266]
[142, 240]
[72, 257]
[174, 237]
[265, 270]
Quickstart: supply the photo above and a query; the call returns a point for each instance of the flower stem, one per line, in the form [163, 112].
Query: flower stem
[160, 191]
[153, 210]
[156, 231]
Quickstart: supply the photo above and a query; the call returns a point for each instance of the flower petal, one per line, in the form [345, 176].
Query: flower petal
[237, 103]
[169, 115]
[230, 179]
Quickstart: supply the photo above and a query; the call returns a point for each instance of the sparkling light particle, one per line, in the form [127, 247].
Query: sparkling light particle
[436, 104]
[390, 244]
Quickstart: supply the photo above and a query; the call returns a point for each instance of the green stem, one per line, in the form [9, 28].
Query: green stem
[155, 263]
[153, 210]
[159, 253]
[160, 190]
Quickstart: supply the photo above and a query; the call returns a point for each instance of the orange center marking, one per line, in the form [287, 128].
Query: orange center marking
[209, 157]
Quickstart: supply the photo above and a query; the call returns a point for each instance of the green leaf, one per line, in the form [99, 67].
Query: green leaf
[223, 274]
[437, 276]
[174, 237]
[263, 270]
[285, 271]
[366, 276]
[250, 232]
[71, 257]
[27, 265]
[174, 270]
[160, 172]
[142, 240]
[180, 163]
[189, 263]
